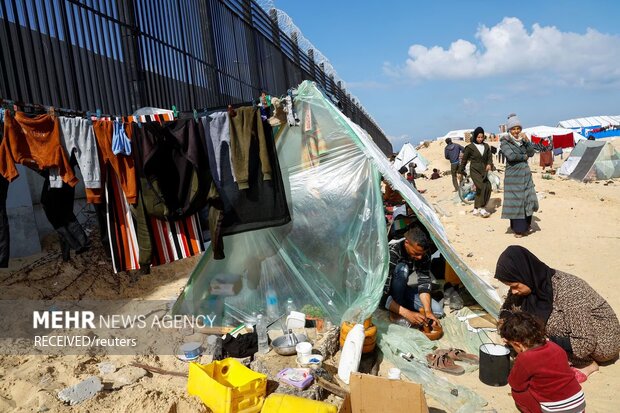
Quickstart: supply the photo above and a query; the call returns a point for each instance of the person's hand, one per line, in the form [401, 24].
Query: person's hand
[488, 168]
[524, 137]
[459, 176]
[431, 316]
[415, 318]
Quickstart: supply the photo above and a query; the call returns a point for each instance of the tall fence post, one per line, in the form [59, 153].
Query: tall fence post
[275, 28]
[131, 51]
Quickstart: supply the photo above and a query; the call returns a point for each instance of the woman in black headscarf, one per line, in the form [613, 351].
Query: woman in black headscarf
[577, 318]
[480, 159]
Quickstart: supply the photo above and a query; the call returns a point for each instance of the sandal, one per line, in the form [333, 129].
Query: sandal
[443, 363]
[457, 354]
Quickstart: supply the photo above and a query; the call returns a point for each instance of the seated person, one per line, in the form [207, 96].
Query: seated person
[408, 286]
[435, 174]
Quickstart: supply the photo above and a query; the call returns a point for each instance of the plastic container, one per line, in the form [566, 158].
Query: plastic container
[273, 309]
[192, 350]
[313, 361]
[227, 386]
[290, 306]
[261, 332]
[300, 378]
[295, 320]
[494, 364]
[285, 403]
[394, 373]
[351, 353]
[303, 349]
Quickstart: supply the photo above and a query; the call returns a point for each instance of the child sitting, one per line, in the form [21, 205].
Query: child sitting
[435, 174]
[541, 379]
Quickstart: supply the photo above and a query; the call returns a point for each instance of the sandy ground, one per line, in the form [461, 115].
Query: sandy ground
[578, 232]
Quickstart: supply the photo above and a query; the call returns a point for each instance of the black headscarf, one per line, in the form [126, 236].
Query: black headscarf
[476, 132]
[518, 264]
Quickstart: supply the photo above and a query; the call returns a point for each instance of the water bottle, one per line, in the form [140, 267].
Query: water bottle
[273, 311]
[290, 306]
[261, 331]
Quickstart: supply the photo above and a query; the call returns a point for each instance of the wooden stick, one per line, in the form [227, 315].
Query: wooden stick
[158, 370]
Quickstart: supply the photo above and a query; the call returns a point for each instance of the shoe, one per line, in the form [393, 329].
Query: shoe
[444, 363]
[484, 213]
[476, 211]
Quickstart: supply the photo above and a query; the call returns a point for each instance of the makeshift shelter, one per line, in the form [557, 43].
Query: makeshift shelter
[408, 154]
[456, 135]
[538, 132]
[597, 126]
[334, 253]
[591, 161]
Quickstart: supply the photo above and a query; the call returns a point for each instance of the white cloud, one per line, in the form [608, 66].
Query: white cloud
[591, 58]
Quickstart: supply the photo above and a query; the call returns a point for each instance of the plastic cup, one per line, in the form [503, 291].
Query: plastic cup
[303, 349]
[394, 373]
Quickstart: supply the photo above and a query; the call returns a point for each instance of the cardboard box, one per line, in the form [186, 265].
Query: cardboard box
[371, 394]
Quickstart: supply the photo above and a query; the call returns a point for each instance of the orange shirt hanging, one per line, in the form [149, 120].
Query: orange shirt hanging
[35, 141]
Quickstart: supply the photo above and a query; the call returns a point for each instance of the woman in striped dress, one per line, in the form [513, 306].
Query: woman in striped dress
[520, 201]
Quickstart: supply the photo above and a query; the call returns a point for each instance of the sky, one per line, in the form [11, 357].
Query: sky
[423, 68]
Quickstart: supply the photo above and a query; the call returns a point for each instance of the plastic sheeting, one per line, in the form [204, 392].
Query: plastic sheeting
[395, 340]
[333, 254]
[592, 160]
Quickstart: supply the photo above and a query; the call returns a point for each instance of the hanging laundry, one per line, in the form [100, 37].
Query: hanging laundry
[546, 158]
[58, 207]
[312, 143]
[233, 210]
[171, 161]
[563, 141]
[33, 141]
[216, 129]
[165, 241]
[291, 114]
[77, 138]
[246, 129]
[120, 141]
[122, 166]
[5, 238]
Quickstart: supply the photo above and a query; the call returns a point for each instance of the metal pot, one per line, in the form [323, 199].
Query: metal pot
[285, 345]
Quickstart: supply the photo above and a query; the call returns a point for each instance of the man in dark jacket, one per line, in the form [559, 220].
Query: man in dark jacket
[408, 286]
[452, 153]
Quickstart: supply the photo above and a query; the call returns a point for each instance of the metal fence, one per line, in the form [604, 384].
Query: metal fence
[119, 55]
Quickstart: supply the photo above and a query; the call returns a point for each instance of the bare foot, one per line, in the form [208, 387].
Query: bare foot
[589, 369]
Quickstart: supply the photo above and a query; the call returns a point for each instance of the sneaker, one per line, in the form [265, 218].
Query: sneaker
[476, 211]
[483, 213]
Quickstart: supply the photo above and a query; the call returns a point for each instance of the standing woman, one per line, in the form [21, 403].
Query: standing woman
[520, 201]
[480, 159]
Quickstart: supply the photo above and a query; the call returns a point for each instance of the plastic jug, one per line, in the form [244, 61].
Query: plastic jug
[351, 353]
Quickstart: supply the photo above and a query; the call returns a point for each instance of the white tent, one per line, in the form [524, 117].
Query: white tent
[546, 131]
[456, 135]
[589, 121]
[408, 154]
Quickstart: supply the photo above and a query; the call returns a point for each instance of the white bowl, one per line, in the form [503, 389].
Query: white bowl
[310, 360]
[303, 348]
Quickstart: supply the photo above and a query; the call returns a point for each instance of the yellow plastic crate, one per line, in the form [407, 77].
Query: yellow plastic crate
[285, 403]
[227, 386]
